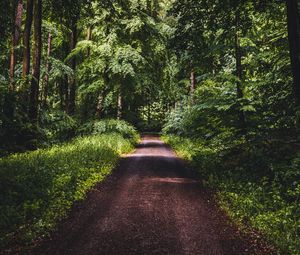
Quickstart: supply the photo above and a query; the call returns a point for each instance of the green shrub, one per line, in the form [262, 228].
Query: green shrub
[257, 183]
[57, 126]
[37, 188]
[110, 126]
[20, 134]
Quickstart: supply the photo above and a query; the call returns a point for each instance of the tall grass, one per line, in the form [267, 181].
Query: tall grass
[256, 184]
[38, 188]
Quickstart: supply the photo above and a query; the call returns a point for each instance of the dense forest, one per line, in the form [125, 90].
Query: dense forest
[219, 79]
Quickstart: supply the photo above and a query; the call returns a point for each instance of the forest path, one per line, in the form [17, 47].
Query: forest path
[151, 204]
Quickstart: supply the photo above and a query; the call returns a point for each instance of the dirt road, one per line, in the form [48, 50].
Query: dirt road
[151, 204]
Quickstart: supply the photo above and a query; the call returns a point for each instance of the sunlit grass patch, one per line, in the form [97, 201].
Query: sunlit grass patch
[38, 188]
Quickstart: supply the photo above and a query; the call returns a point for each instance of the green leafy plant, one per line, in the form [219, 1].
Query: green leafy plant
[256, 184]
[110, 126]
[38, 188]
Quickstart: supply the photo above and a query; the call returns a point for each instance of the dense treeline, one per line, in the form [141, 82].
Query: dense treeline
[222, 76]
[96, 59]
[74, 61]
[238, 121]
[244, 48]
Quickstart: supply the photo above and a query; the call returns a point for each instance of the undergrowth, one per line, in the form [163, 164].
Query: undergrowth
[110, 126]
[258, 183]
[38, 188]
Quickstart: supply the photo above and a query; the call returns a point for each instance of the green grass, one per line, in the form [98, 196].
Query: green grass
[256, 184]
[38, 188]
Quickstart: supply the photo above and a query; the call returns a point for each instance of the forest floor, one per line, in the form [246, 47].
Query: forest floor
[152, 204]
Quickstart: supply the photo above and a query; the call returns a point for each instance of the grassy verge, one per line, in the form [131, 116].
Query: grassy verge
[257, 184]
[38, 188]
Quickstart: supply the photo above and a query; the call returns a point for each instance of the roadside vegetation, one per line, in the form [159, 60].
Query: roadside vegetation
[239, 124]
[38, 188]
[256, 181]
[220, 77]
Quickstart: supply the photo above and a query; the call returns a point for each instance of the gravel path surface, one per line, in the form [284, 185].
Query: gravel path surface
[151, 204]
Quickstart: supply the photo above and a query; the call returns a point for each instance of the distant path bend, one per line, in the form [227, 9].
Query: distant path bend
[151, 204]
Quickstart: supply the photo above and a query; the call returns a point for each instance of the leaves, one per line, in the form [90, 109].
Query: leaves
[38, 188]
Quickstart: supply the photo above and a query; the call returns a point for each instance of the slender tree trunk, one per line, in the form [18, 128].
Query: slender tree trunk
[101, 98]
[103, 94]
[293, 20]
[16, 33]
[26, 38]
[89, 38]
[48, 68]
[34, 89]
[239, 72]
[99, 105]
[63, 93]
[66, 94]
[10, 98]
[149, 113]
[193, 84]
[72, 83]
[120, 105]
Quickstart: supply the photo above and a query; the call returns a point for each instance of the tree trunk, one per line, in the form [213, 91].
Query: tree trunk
[16, 33]
[120, 105]
[149, 112]
[10, 99]
[99, 105]
[66, 94]
[89, 38]
[48, 68]
[63, 93]
[34, 89]
[72, 83]
[293, 20]
[103, 94]
[239, 73]
[26, 38]
[193, 84]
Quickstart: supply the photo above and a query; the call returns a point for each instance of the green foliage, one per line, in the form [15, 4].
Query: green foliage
[57, 126]
[257, 182]
[128, 56]
[141, 54]
[38, 188]
[59, 70]
[212, 109]
[207, 44]
[121, 127]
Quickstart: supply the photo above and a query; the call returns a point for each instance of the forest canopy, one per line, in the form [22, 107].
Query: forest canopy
[220, 80]
[76, 61]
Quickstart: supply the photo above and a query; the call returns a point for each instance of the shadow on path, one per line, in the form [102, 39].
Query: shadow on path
[151, 204]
